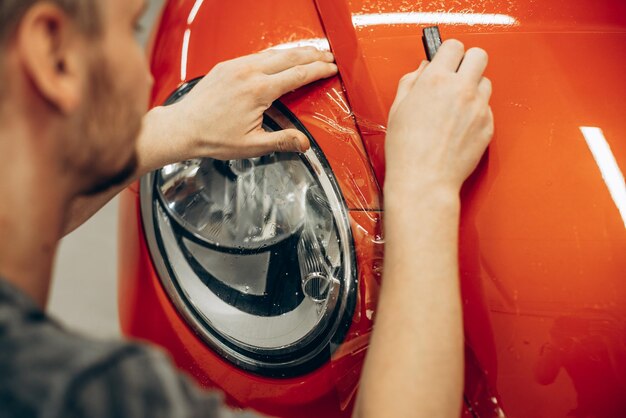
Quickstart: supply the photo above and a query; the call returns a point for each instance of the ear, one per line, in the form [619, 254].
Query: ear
[52, 54]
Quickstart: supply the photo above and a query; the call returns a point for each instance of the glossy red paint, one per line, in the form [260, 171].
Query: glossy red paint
[543, 241]
[543, 244]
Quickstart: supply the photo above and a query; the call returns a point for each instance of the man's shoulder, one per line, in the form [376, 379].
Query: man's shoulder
[46, 370]
[29, 335]
[41, 362]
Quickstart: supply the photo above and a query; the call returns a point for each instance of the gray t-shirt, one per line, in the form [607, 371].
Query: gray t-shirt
[46, 371]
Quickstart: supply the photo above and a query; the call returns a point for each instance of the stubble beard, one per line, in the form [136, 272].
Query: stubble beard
[109, 117]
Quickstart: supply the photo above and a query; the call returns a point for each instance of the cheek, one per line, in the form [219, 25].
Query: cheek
[143, 75]
[132, 73]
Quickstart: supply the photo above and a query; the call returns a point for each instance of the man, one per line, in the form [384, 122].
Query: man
[73, 88]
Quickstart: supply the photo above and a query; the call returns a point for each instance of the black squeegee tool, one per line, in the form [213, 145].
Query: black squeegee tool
[432, 41]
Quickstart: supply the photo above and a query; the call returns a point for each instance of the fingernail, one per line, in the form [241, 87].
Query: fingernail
[329, 56]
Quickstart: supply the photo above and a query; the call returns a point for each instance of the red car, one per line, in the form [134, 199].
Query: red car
[261, 276]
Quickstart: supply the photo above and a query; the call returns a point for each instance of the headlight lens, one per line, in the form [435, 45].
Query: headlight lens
[256, 254]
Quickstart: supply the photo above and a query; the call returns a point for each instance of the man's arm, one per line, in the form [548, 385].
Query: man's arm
[221, 117]
[439, 127]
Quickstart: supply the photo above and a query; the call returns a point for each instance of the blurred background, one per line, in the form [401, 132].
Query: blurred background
[84, 290]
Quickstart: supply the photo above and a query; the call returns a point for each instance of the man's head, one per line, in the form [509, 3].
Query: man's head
[74, 69]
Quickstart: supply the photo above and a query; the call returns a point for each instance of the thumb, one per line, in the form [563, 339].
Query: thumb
[288, 140]
[408, 81]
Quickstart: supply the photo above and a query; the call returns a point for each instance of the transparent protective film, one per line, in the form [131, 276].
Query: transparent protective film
[242, 204]
[275, 262]
[328, 118]
[260, 235]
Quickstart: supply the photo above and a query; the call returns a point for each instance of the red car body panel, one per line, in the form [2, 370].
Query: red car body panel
[543, 238]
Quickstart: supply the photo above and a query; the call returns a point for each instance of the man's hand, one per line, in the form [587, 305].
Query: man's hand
[439, 126]
[440, 122]
[222, 116]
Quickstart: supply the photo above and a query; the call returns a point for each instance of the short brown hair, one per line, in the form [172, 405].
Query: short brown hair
[84, 12]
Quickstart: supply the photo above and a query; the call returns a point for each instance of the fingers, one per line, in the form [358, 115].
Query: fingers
[408, 81]
[491, 124]
[288, 140]
[449, 55]
[474, 64]
[485, 88]
[276, 61]
[300, 75]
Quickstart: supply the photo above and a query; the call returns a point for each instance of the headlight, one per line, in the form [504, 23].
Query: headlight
[256, 254]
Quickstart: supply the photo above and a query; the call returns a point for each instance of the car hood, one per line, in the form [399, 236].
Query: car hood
[543, 230]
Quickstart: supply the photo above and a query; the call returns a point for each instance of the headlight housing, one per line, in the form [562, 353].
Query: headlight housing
[257, 255]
